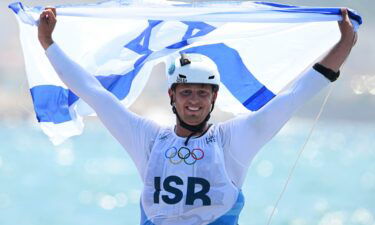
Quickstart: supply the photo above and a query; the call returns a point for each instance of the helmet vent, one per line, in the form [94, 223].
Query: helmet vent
[211, 77]
[181, 76]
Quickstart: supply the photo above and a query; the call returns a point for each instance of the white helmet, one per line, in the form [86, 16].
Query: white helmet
[192, 68]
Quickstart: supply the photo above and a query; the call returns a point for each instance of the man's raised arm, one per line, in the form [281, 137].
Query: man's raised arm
[258, 128]
[133, 132]
[336, 57]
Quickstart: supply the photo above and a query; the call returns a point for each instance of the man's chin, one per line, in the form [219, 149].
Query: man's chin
[193, 121]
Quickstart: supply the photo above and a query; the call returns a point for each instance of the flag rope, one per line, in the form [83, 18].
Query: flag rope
[299, 155]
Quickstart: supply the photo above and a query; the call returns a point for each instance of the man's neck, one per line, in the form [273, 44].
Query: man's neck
[182, 132]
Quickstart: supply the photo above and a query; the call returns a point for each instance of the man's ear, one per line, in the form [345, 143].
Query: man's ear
[171, 95]
[214, 96]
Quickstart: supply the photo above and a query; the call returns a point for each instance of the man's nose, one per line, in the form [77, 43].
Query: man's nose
[194, 98]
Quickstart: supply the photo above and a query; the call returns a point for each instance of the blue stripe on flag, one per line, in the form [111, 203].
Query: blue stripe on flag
[276, 5]
[353, 15]
[119, 85]
[203, 28]
[322, 10]
[51, 103]
[235, 75]
[325, 11]
[259, 99]
[141, 43]
[16, 7]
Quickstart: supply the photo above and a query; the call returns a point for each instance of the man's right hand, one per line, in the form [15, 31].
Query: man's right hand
[47, 22]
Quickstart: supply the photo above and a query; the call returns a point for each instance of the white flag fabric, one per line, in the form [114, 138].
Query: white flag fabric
[258, 47]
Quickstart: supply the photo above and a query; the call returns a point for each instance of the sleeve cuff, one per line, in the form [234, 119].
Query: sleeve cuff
[328, 73]
[51, 49]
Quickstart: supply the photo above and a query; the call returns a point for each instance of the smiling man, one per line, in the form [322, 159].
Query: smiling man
[193, 172]
[193, 88]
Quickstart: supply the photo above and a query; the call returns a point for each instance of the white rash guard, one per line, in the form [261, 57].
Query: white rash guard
[195, 184]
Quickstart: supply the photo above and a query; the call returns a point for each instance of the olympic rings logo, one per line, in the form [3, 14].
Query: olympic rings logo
[189, 157]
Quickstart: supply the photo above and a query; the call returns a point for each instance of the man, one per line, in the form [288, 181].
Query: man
[193, 172]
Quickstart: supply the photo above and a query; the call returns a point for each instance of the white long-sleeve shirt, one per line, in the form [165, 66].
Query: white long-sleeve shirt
[241, 137]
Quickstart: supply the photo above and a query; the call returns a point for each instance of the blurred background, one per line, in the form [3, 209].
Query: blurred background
[91, 180]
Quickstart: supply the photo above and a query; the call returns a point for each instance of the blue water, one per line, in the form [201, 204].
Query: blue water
[91, 180]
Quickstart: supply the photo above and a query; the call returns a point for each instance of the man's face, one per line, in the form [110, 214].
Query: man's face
[193, 101]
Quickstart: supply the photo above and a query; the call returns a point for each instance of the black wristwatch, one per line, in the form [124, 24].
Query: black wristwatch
[328, 73]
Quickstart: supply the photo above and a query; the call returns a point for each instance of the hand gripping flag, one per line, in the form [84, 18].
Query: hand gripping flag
[259, 49]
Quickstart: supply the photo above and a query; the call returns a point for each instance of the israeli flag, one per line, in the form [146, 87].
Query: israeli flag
[259, 49]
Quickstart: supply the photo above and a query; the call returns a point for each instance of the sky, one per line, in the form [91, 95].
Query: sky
[353, 96]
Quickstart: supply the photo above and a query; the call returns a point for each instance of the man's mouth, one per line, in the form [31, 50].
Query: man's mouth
[194, 109]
